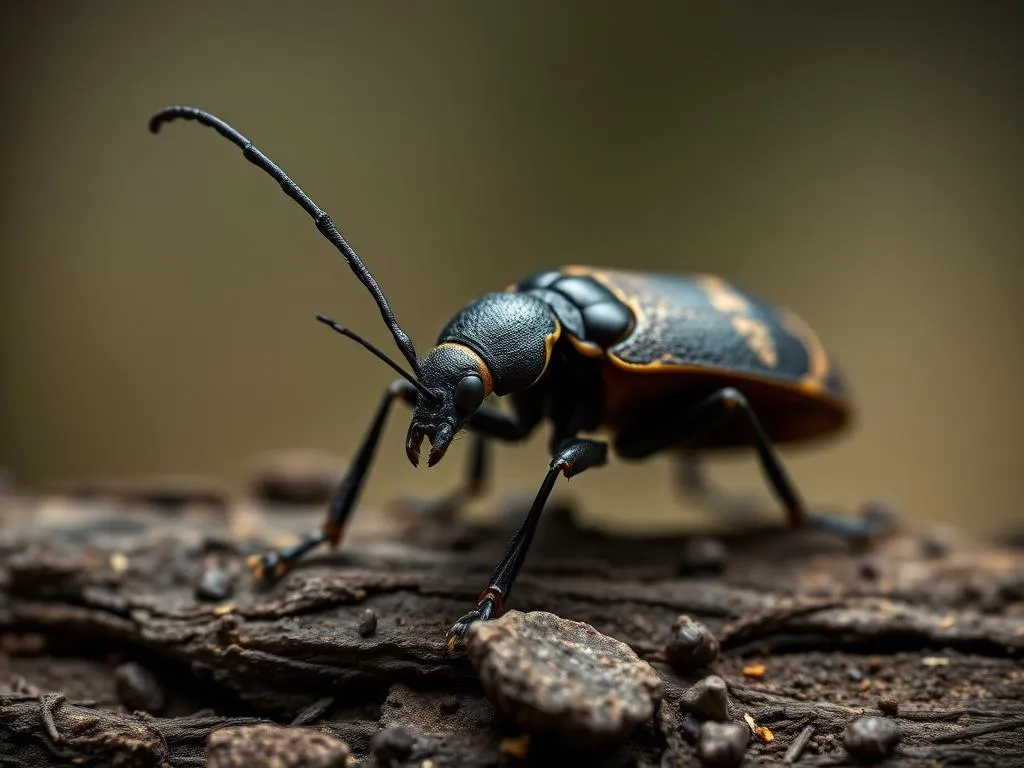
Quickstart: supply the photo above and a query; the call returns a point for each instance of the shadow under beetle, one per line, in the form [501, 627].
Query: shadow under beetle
[683, 363]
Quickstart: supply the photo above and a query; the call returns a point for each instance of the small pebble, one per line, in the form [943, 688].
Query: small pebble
[176, 492]
[888, 706]
[549, 674]
[215, 584]
[392, 744]
[367, 623]
[1010, 587]
[869, 569]
[937, 544]
[871, 738]
[703, 554]
[295, 477]
[854, 674]
[138, 689]
[722, 745]
[708, 697]
[274, 746]
[690, 644]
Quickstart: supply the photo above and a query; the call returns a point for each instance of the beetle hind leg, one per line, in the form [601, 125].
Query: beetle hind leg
[728, 403]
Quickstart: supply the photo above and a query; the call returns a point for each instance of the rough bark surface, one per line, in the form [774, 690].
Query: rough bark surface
[813, 634]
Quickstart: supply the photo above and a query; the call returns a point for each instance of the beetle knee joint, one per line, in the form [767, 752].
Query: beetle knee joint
[732, 398]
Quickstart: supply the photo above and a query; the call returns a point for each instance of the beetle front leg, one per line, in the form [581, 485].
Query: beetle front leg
[275, 564]
[573, 457]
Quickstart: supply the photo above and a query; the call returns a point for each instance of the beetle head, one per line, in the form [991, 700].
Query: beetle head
[500, 343]
[459, 381]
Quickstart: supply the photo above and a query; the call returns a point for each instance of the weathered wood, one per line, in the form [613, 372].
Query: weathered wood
[87, 583]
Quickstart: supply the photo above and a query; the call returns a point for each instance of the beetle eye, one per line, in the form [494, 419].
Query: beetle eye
[469, 393]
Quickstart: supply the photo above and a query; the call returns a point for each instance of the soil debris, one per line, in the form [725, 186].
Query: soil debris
[690, 644]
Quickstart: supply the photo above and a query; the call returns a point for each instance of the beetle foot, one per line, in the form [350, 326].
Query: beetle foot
[875, 520]
[456, 637]
[268, 567]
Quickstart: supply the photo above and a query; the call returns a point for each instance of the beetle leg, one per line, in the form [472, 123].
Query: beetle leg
[717, 409]
[573, 457]
[274, 564]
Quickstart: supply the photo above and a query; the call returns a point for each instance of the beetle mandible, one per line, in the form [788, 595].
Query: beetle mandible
[682, 363]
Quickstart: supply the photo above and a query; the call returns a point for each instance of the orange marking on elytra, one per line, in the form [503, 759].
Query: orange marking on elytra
[758, 338]
[818, 365]
[722, 296]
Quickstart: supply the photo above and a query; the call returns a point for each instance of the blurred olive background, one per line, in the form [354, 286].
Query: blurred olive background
[857, 162]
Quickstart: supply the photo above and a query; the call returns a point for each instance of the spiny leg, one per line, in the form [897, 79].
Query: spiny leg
[718, 408]
[573, 457]
[274, 564]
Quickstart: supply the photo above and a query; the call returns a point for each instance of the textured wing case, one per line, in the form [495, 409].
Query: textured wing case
[701, 321]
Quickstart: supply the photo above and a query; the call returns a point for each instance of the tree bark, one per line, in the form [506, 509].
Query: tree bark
[934, 627]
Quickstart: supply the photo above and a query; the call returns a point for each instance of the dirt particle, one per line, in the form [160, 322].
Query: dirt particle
[871, 738]
[760, 731]
[138, 689]
[755, 670]
[1010, 587]
[367, 623]
[518, 747]
[888, 706]
[215, 584]
[449, 705]
[295, 477]
[869, 569]
[392, 744]
[274, 746]
[690, 644]
[937, 544]
[703, 554]
[551, 674]
[722, 745]
[708, 697]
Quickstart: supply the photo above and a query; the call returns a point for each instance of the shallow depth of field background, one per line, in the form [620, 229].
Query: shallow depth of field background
[859, 163]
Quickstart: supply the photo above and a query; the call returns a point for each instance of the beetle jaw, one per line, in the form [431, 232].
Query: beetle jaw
[440, 437]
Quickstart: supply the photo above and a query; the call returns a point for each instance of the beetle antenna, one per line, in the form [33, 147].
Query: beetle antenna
[323, 222]
[356, 337]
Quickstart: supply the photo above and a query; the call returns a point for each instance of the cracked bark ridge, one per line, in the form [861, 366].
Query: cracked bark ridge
[928, 635]
[560, 677]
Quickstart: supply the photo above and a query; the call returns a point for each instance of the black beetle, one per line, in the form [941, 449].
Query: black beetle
[660, 362]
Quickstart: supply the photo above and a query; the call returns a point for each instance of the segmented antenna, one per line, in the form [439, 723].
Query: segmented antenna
[347, 332]
[323, 222]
